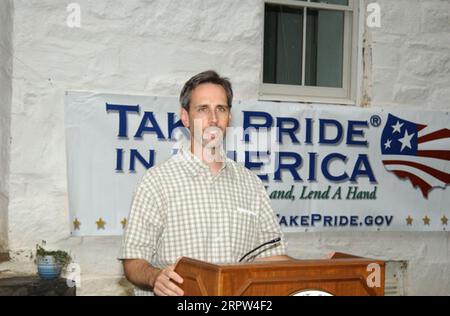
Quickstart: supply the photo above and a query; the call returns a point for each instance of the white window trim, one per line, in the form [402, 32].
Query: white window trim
[345, 95]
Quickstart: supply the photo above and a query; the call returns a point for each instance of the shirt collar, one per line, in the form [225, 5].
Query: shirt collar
[195, 165]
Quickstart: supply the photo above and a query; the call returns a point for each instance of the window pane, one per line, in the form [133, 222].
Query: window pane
[341, 2]
[283, 37]
[324, 48]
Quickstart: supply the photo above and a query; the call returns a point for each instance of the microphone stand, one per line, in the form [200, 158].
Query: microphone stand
[273, 241]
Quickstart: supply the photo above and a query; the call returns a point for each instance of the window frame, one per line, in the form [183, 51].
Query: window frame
[296, 93]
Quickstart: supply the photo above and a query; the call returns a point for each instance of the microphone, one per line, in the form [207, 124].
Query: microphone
[273, 241]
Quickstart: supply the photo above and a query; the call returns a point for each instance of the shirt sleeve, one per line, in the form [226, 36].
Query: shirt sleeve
[145, 222]
[269, 228]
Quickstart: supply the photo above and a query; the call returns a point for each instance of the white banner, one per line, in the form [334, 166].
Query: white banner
[326, 167]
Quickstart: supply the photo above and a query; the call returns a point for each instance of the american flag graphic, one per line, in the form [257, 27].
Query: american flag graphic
[417, 152]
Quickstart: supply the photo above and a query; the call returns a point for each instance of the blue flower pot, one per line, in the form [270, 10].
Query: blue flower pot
[48, 268]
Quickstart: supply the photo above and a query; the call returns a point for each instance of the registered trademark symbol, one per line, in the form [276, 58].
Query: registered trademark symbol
[375, 121]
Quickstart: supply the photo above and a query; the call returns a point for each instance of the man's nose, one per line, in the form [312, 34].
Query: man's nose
[213, 117]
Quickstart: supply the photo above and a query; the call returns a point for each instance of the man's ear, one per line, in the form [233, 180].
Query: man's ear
[184, 115]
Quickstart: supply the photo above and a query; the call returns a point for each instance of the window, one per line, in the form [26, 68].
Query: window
[309, 50]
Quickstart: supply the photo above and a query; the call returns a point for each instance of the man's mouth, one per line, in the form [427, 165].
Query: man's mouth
[211, 134]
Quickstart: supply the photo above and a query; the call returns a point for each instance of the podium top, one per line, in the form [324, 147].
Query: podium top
[339, 274]
[336, 259]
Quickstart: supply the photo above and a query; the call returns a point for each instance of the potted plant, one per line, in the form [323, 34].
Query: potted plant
[50, 263]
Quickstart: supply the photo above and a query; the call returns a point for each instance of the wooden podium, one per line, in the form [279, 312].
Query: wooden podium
[341, 275]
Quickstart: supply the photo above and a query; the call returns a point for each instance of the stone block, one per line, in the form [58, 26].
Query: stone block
[35, 286]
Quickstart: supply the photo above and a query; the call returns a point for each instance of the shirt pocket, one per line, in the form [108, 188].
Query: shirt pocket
[243, 230]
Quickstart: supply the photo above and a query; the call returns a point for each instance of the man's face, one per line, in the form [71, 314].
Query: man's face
[208, 113]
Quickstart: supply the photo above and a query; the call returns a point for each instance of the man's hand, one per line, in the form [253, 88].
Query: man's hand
[143, 275]
[164, 285]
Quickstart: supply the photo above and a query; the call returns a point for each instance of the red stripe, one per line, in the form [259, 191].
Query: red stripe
[443, 133]
[438, 154]
[416, 181]
[444, 177]
[420, 127]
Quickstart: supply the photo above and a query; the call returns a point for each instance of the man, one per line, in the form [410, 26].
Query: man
[197, 204]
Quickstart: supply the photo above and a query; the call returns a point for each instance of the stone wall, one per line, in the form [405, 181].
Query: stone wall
[411, 55]
[6, 63]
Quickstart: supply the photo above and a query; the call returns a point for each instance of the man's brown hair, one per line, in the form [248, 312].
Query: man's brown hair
[209, 76]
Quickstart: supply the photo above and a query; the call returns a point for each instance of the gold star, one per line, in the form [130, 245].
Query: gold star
[76, 224]
[426, 220]
[100, 224]
[124, 223]
[409, 221]
[444, 220]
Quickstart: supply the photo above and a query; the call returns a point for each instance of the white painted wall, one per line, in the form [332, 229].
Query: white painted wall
[411, 55]
[6, 24]
[152, 47]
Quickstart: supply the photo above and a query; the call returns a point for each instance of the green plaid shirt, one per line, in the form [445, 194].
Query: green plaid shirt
[181, 209]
